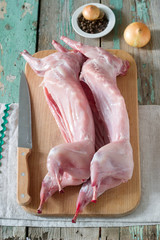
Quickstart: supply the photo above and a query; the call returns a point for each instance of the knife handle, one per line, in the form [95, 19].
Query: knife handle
[23, 197]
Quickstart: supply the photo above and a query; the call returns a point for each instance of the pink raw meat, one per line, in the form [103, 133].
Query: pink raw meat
[112, 164]
[50, 186]
[68, 163]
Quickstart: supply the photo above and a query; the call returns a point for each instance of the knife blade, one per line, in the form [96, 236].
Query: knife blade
[24, 142]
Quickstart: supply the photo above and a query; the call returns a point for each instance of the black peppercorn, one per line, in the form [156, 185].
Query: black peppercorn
[94, 26]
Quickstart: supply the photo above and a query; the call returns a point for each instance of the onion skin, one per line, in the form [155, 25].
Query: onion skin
[137, 34]
[91, 12]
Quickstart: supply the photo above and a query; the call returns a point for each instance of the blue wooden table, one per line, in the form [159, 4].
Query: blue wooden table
[31, 25]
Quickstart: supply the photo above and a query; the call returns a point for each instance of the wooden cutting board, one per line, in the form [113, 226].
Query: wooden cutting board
[118, 201]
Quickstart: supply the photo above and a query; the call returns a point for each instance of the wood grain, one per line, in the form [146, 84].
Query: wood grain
[80, 233]
[18, 28]
[44, 233]
[23, 178]
[111, 233]
[117, 201]
[108, 233]
[152, 233]
[137, 232]
[9, 233]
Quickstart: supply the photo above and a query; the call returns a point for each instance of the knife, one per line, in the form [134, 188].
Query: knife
[24, 142]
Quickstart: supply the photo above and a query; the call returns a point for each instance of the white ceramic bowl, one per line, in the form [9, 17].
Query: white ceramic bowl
[109, 13]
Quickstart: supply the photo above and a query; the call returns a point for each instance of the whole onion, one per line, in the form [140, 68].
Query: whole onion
[137, 34]
[91, 12]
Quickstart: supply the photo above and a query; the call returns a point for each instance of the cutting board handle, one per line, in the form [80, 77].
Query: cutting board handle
[23, 197]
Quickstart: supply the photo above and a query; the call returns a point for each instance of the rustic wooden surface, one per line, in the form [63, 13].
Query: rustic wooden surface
[44, 233]
[19, 27]
[16, 233]
[112, 233]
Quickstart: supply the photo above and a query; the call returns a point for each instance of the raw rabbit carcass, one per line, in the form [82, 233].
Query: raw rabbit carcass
[112, 164]
[68, 163]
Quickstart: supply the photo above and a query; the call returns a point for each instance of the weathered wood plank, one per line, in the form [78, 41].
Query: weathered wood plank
[146, 61]
[9, 233]
[112, 40]
[136, 233]
[35, 233]
[123, 233]
[152, 232]
[55, 21]
[18, 21]
[158, 232]
[155, 46]
[80, 233]
[110, 233]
